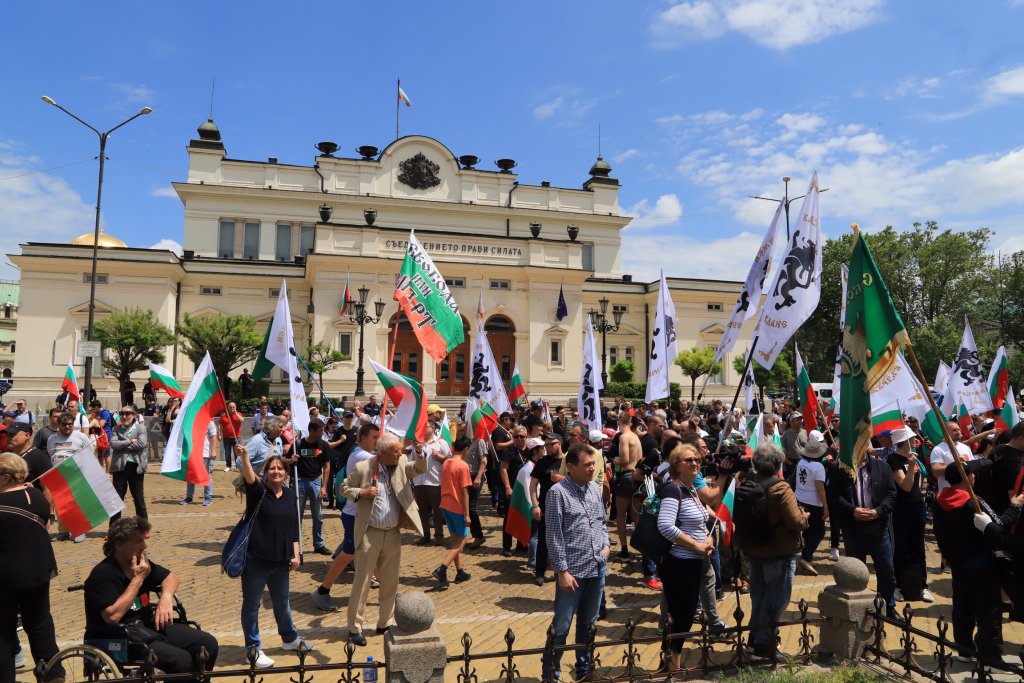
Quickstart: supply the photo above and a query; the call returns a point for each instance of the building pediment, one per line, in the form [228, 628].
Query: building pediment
[266, 318]
[557, 331]
[83, 309]
[713, 330]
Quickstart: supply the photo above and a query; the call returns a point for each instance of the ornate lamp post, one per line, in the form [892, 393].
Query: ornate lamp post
[361, 317]
[599, 319]
[87, 388]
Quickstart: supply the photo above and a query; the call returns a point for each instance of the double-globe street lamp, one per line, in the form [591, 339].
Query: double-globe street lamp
[599, 319]
[362, 318]
[87, 388]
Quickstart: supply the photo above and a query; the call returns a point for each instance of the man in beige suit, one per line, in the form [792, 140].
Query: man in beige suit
[382, 489]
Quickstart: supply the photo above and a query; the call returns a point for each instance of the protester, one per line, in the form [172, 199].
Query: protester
[229, 430]
[311, 469]
[810, 494]
[209, 448]
[512, 460]
[908, 519]
[628, 457]
[67, 443]
[385, 504]
[544, 475]
[117, 593]
[941, 457]
[478, 458]
[577, 537]
[264, 444]
[427, 486]
[261, 413]
[682, 520]
[42, 435]
[19, 441]
[128, 460]
[27, 564]
[456, 483]
[342, 441]
[794, 440]
[273, 551]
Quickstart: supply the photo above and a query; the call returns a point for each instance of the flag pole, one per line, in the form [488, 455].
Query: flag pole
[313, 379]
[391, 359]
[398, 118]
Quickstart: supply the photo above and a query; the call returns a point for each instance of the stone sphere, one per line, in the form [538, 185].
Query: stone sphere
[414, 612]
[851, 574]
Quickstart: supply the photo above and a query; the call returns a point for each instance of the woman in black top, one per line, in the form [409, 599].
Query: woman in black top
[273, 552]
[908, 518]
[26, 566]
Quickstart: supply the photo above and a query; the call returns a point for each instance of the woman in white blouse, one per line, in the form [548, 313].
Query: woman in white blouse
[810, 494]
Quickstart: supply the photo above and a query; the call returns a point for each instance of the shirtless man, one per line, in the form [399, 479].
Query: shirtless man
[629, 456]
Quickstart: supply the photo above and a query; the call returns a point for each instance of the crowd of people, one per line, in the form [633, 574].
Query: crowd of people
[584, 489]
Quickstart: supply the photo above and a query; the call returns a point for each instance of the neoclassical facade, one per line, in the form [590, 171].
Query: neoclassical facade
[250, 224]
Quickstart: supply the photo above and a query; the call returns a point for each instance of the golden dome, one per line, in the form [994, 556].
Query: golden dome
[104, 241]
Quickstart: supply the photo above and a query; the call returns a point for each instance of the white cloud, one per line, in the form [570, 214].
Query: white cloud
[164, 192]
[135, 93]
[547, 109]
[778, 24]
[800, 123]
[712, 118]
[169, 245]
[666, 211]
[670, 119]
[628, 154]
[1009, 83]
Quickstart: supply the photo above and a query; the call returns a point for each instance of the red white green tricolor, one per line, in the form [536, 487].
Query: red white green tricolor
[805, 392]
[428, 303]
[520, 512]
[70, 385]
[82, 493]
[406, 394]
[183, 454]
[725, 511]
[161, 378]
[999, 380]
[516, 388]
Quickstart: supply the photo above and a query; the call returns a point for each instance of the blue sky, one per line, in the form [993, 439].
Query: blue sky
[910, 110]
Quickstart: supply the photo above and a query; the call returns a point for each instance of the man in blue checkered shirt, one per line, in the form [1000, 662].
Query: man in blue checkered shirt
[577, 537]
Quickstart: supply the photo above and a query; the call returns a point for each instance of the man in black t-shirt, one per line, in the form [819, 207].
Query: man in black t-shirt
[908, 517]
[501, 438]
[19, 441]
[43, 434]
[117, 592]
[341, 437]
[544, 476]
[1006, 463]
[512, 460]
[312, 469]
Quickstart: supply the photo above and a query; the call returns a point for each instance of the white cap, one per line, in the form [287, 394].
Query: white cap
[815, 435]
[596, 436]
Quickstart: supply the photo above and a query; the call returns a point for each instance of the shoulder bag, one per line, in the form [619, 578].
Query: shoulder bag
[232, 557]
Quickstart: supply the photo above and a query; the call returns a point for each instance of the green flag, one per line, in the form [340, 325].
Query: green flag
[263, 365]
[873, 332]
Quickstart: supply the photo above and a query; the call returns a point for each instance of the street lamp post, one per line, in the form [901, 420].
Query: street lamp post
[599, 319]
[87, 389]
[361, 318]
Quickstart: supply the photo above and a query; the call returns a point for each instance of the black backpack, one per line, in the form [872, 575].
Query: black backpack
[750, 509]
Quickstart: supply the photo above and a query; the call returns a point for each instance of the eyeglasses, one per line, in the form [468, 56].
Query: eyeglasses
[519, 436]
[693, 461]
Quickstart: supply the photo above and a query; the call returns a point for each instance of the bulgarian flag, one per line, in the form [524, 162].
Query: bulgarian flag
[161, 378]
[263, 364]
[183, 454]
[520, 510]
[805, 392]
[446, 432]
[406, 394]
[402, 97]
[82, 493]
[70, 385]
[482, 418]
[428, 303]
[343, 304]
[998, 380]
[1006, 418]
[724, 511]
[516, 389]
[886, 419]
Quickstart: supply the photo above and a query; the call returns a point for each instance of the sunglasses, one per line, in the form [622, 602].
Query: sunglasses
[519, 436]
[693, 461]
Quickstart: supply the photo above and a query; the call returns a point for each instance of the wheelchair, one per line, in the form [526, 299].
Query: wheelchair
[107, 652]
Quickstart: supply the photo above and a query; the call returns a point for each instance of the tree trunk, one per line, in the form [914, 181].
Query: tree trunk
[693, 389]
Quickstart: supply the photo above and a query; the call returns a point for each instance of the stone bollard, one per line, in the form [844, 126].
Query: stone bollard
[847, 626]
[413, 649]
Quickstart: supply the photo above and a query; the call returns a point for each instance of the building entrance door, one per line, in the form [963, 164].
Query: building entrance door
[453, 371]
[408, 352]
[501, 334]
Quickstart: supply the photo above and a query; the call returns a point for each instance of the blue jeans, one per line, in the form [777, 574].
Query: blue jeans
[257, 575]
[583, 603]
[771, 585]
[880, 550]
[190, 489]
[310, 488]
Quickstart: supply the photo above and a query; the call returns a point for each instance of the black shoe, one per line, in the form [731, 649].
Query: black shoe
[764, 651]
[461, 575]
[623, 554]
[895, 616]
[357, 639]
[441, 574]
[321, 550]
[506, 553]
[382, 631]
[424, 541]
[538, 581]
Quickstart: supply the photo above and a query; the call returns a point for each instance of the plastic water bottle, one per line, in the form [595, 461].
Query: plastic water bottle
[370, 672]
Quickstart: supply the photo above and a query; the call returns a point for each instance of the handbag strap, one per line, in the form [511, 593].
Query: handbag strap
[255, 512]
[23, 513]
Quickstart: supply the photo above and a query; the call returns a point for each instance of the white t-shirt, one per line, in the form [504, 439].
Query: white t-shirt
[211, 434]
[354, 458]
[808, 472]
[432, 477]
[941, 454]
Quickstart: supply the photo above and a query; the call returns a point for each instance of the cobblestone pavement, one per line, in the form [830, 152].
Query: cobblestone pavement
[501, 594]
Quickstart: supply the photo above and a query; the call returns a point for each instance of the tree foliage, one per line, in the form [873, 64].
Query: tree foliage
[321, 357]
[232, 341]
[622, 371]
[695, 363]
[779, 378]
[133, 338]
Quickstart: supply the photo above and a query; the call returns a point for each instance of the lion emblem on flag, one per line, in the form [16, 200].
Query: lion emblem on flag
[480, 384]
[797, 271]
[968, 365]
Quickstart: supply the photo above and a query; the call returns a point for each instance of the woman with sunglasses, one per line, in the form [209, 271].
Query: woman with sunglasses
[683, 519]
[128, 459]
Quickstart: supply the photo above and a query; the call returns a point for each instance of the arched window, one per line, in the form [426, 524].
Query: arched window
[499, 323]
[7, 373]
[7, 311]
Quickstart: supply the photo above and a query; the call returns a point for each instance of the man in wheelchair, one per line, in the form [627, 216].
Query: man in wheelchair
[117, 605]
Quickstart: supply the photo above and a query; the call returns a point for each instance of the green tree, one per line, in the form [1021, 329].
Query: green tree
[622, 371]
[232, 341]
[696, 363]
[134, 338]
[779, 378]
[320, 358]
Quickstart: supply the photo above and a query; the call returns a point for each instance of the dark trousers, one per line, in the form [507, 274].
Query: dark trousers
[976, 605]
[229, 451]
[475, 527]
[541, 565]
[130, 479]
[428, 500]
[681, 580]
[815, 530]
[34, 606]
[908, 523]
[879, 547]
[178, 652]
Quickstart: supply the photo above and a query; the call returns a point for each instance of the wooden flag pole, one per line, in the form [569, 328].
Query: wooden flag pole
[391, 359]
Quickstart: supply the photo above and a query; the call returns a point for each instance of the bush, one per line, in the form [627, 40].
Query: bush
[623, 371]
[637, 390]
[792, 673]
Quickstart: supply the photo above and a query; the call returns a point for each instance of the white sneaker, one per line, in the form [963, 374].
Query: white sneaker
[834, 554]
[927, 595]
[20, 660]
[295, 644]
[897, 595]
[80, 539]
[263, 661]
